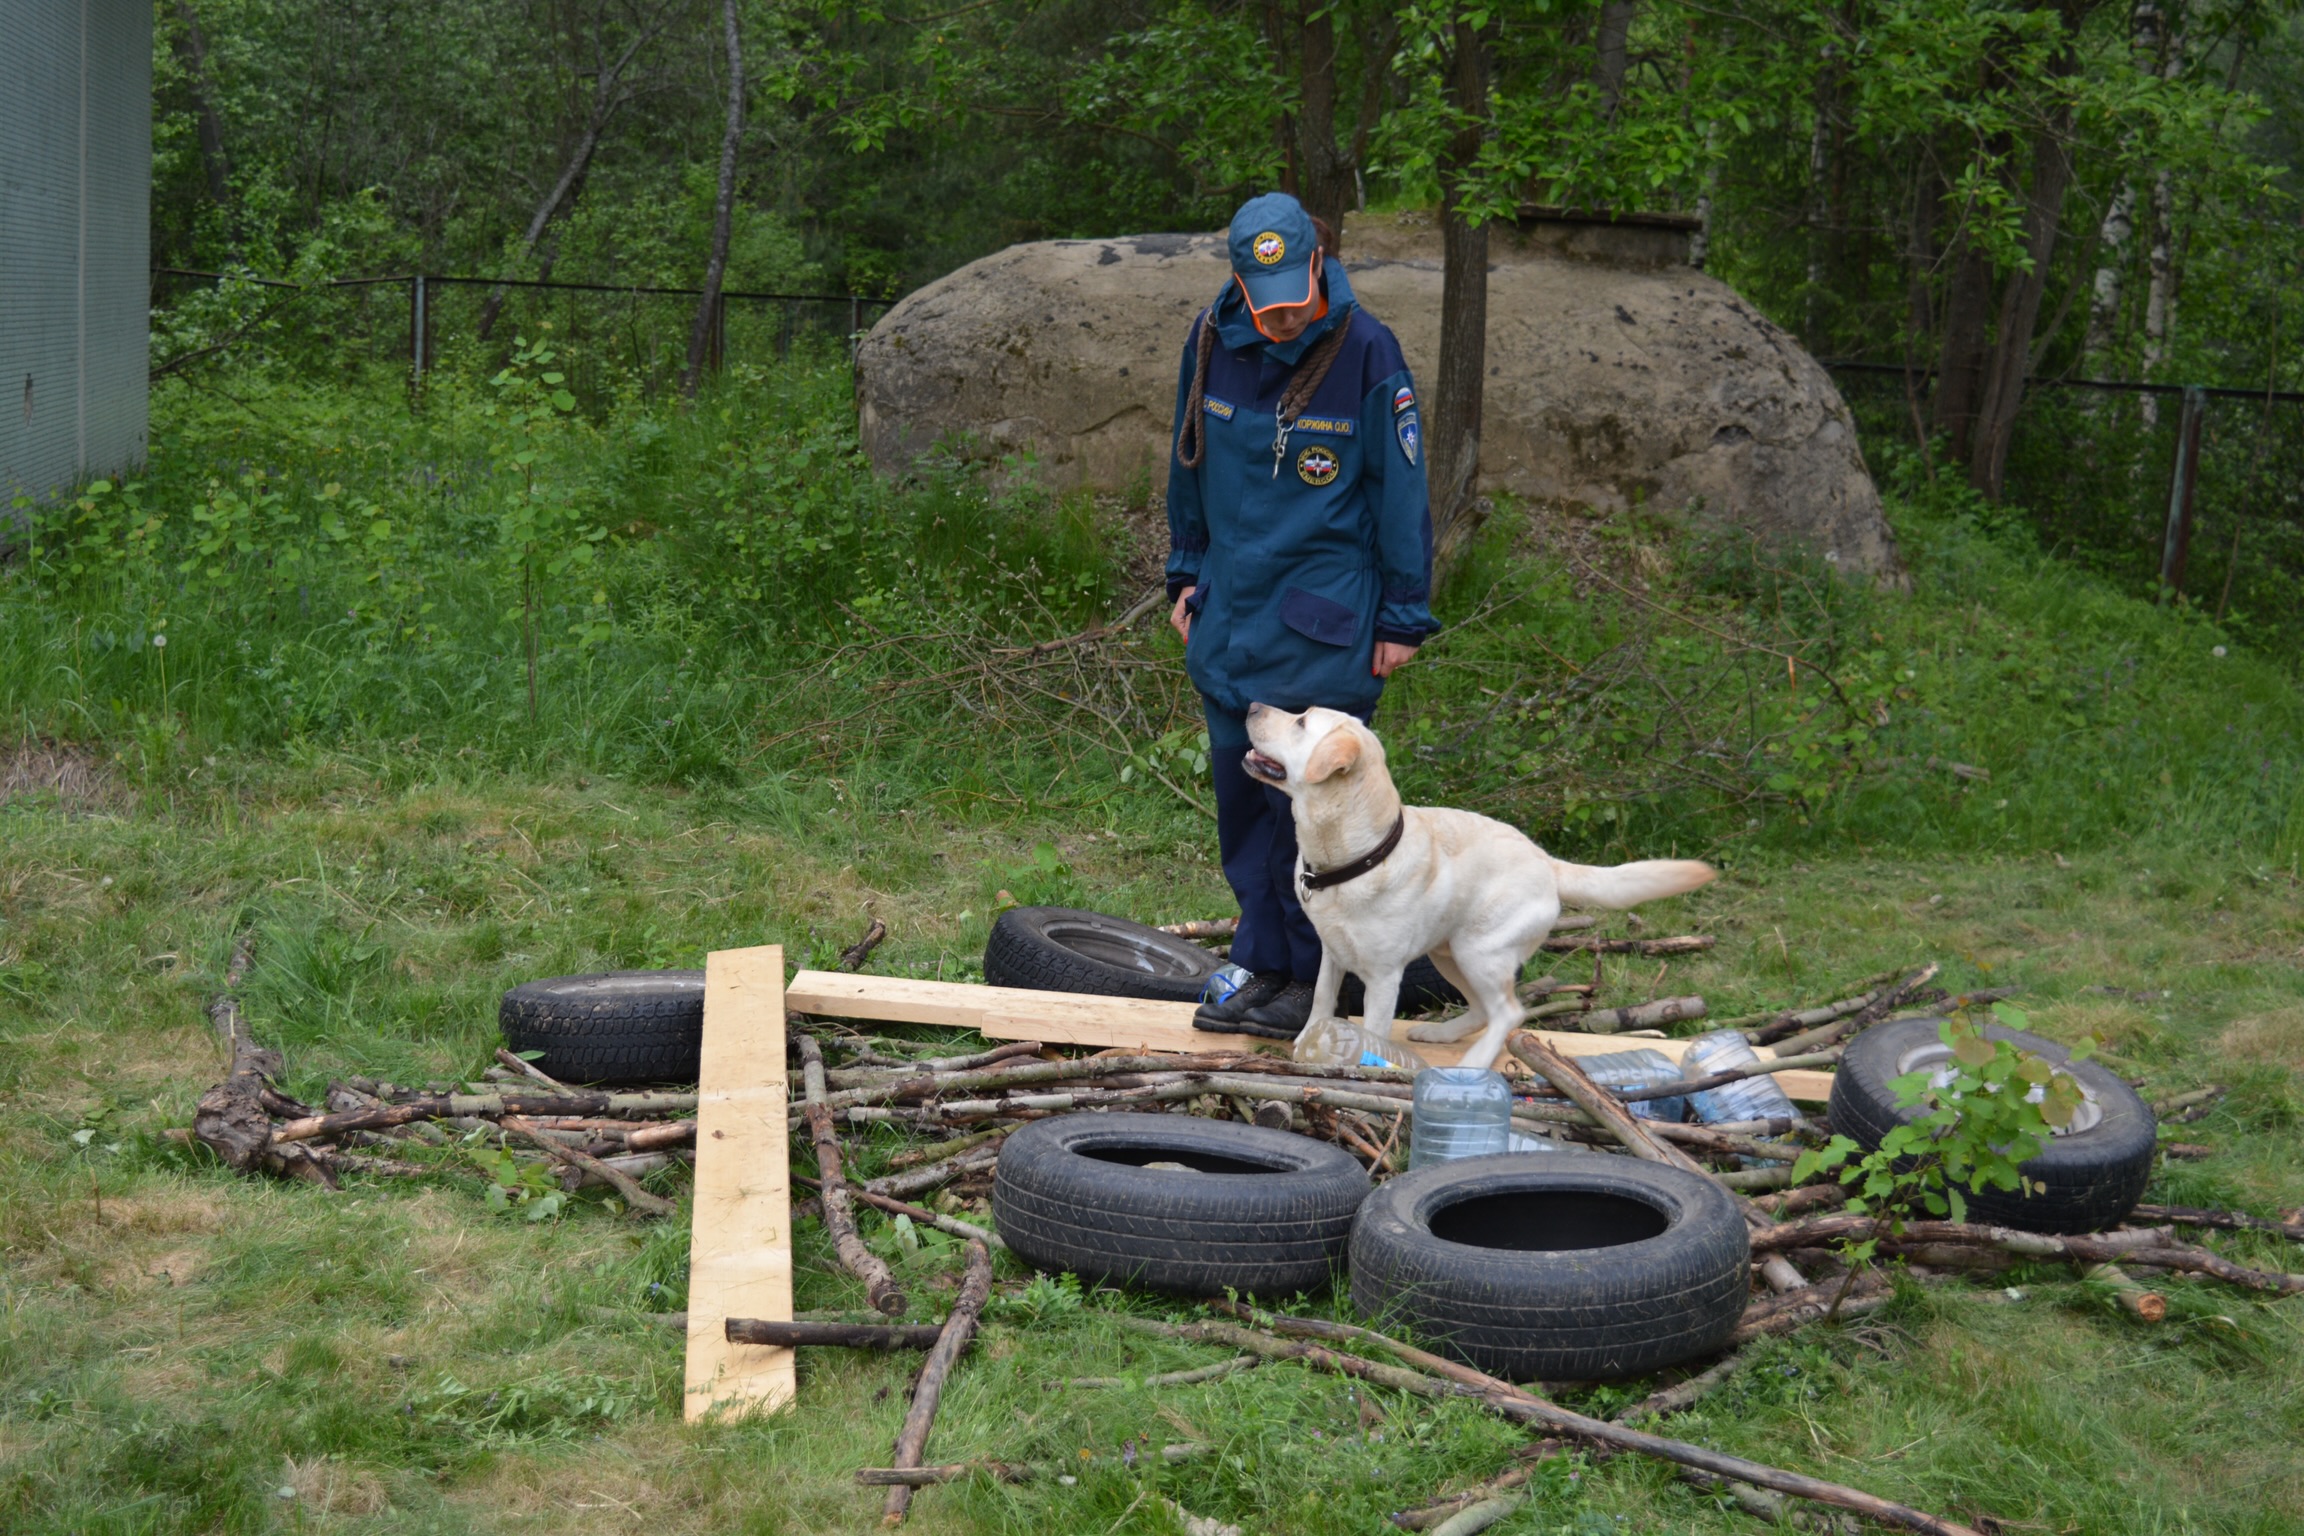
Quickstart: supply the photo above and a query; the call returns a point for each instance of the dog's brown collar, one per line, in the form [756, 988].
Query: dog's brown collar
[1360, 865]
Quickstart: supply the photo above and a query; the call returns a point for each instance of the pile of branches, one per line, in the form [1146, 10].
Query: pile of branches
[968, 1104]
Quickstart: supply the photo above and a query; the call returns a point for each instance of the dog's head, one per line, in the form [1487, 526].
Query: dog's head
[1295, 753]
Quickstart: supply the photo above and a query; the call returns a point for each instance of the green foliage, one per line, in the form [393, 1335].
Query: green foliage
[1991, 1108]
[540, 1408]
[516, 1185]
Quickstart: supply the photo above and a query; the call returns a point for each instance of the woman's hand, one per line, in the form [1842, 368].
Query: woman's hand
[1180, 619]
[1390, 656]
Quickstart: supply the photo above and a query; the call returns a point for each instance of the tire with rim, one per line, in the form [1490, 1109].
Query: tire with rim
[1066, 949]
[1554, 1268]
[2086, 1179]
[611, 1027]
[1063, 949]
[1175, 1203]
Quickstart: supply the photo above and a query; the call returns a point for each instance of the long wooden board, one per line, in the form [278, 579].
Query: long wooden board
[740, 1246]
[1061, 1018]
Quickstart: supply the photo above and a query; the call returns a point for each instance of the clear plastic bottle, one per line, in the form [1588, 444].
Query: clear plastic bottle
[1458, 1112]
[1223, 982]
[1638, 1069]
[1346, 1043]
[1755, 1098]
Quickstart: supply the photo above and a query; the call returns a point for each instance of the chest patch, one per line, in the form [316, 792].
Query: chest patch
[1317, 465]
[1220, 409]
[1334, 426]
[1410, 436]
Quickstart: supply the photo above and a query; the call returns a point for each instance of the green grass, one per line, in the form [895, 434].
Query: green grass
[760, 719]
[405, 1360]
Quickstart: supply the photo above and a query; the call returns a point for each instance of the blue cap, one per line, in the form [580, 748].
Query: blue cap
[1272, 244]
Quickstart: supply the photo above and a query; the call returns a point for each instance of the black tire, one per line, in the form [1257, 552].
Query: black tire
[615, 1027]
[1063, 949]
[1260, 1211]
[2089, 1180]
[1554, 1268]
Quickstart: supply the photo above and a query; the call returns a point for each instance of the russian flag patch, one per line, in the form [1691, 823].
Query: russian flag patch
[1403, 399]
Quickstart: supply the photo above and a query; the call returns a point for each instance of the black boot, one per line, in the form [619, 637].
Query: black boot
[1224, 1018]
[1282, 1016]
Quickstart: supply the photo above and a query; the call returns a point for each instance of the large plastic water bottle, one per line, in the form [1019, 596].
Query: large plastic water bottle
[1458, 1112]
[1336, 1042]
[1755, 1098]
[1639, 1069]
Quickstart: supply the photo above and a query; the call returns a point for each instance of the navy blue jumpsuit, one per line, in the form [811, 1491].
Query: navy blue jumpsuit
[1305, 552]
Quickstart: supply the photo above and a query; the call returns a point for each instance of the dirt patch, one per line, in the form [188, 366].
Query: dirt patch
[327, 1486]
[2275, 1038]
[38, 770]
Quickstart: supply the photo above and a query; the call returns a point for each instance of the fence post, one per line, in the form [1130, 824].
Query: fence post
[419, 323]
[2176, 544]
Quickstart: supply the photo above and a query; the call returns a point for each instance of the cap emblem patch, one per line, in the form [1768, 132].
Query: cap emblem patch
[1270, 249]
[1318, 466]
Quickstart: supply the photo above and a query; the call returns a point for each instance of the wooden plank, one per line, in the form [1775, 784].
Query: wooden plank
[1062, 1018]
[740, 1243]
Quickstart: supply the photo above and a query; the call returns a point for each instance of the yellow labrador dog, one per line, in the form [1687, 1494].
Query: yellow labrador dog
[1384, 883]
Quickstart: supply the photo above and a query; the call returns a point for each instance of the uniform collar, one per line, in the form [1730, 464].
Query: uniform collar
[1237, 331]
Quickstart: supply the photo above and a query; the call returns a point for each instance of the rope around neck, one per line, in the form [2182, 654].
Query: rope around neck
[1311, 372]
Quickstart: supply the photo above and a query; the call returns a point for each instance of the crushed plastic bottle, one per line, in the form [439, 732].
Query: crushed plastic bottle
[1755, 1098]
[1347, 1043]
[1638, 1069]
[1458, 1112]
[1223, 982]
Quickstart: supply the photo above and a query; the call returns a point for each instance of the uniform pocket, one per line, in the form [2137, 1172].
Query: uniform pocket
[1319, 618]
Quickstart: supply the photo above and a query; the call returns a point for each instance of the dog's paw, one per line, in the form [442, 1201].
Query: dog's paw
[1444, 1031]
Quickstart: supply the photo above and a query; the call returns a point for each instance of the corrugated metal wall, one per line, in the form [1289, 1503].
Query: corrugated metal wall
[75, 202]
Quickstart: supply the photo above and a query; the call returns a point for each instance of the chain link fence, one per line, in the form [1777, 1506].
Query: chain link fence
[2162, 489]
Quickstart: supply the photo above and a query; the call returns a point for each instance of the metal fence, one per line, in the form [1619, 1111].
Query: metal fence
[2165, 489]
[612, 339]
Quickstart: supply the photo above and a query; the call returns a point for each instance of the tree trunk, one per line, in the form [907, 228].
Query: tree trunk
[2011, 356]
[723, 212]
[192, 52]
[563, 192]
[1454, 450]
[2160, 296]
[1960, 360]
[1324, 172]
[2104, 299]
[1612, 54]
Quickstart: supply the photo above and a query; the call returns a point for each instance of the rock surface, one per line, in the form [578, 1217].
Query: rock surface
[1608, 384]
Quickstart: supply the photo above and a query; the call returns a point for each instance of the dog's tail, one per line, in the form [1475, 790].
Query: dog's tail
[1627, 885]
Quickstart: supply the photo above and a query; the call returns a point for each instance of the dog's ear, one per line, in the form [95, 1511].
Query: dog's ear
[1335, 755]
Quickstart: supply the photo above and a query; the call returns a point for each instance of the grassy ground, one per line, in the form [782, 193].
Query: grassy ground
[188, 1351]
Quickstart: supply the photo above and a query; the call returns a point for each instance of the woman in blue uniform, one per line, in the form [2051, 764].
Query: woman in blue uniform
[1300, 554]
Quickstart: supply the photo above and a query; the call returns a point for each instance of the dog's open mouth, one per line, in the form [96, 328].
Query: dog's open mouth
[1265, 767]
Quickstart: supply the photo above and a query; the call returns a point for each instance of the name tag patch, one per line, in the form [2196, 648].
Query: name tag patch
[1220, 409]
[1334, 426]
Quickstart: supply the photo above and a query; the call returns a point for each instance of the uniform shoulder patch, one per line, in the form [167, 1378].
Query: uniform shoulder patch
[1334, 426]
[1403, 399]
[1318, 466]
[1220, 409]
[1410, 436]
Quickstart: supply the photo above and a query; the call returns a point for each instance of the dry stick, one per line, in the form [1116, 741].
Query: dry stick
[880, 1287]
[1220, 1369]
[2166, 1108]
[918, 1181]
[926, 1218]
[853, 957]
[2133, 1297]
[1864, 1018]
[1655, 1015]
[1204, 928]
[1710, 1080]
[959, 1328]
[678, 1133]
[233, 1117]
[858, 1077]
[446, 1106]
[789, 1335]
[945, 1149]
[928, 1084]
[2147, 1247]
[1762, 1028]
[640, 1200]
[2222, 1221]
[1478, 1517]
[1684, 944]
[1682, 1394]
[1865, 1291]
[531, 1071]
[1509, 1401]
[1603, 1106]
[1531, 1459]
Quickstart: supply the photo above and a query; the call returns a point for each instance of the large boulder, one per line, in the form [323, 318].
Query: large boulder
[1617, 375]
